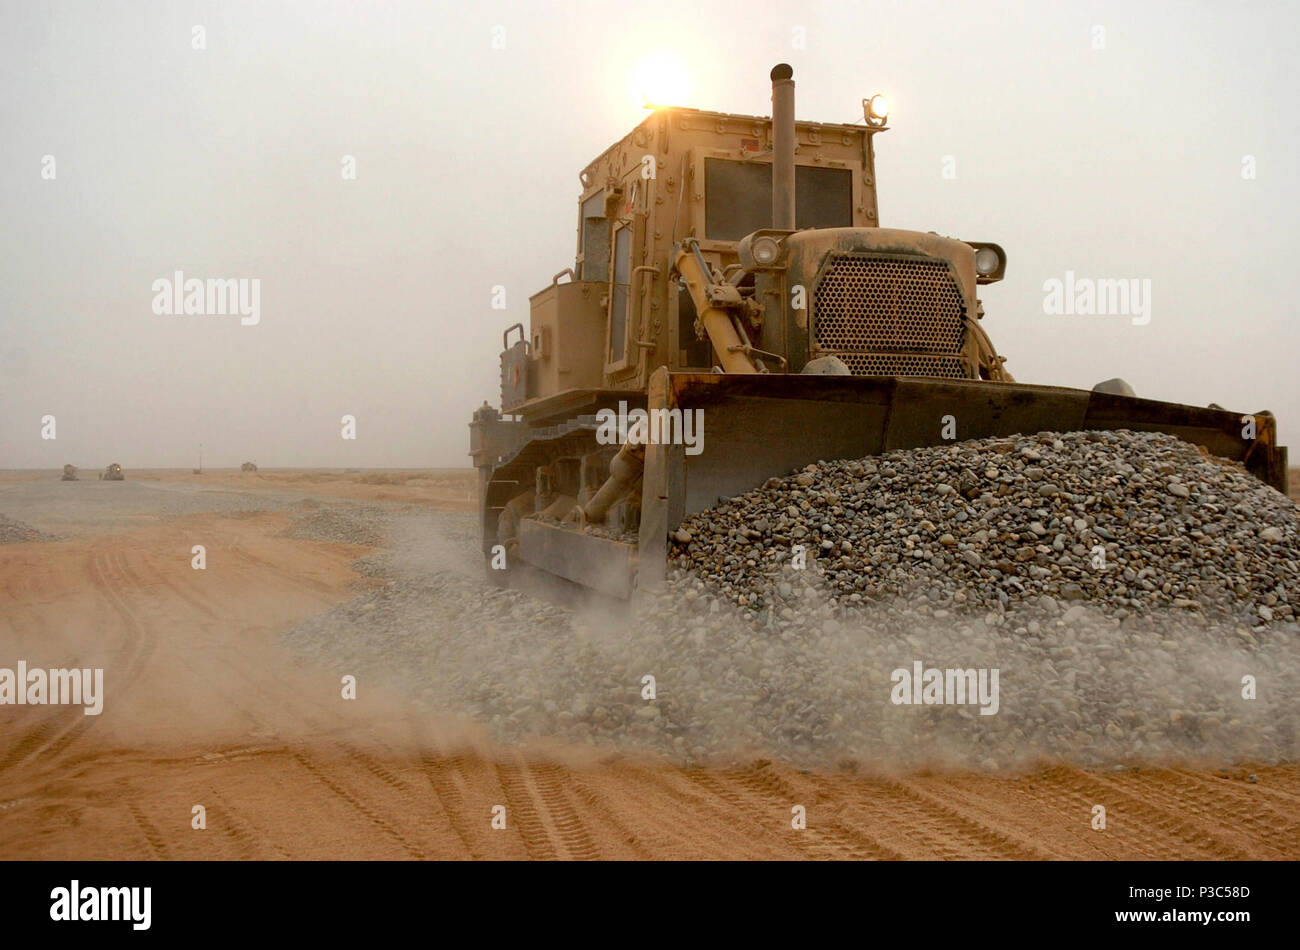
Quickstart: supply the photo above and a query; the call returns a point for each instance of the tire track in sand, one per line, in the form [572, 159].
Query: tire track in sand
[156, 842]
[1219, 802]
[64, 726]
[916, 824]
[249, 840]
[457, 779]
[357, 805]
[1064, 820]
[701, 823]
[139, 646]
[1146, 818]
[593, 800]
[547, 823]
[829, 836]
[309, 716]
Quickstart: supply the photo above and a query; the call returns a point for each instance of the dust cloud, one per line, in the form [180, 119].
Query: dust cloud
[1091, 691]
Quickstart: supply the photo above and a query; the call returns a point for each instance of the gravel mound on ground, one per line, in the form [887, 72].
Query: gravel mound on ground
[1125, 522]
[812, 685]
[353, 525]
[16, 532]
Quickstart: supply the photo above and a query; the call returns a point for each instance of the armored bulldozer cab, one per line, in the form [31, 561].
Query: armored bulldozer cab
[882, 301]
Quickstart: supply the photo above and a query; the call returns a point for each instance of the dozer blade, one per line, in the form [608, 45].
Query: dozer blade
[755, 427]
[600, 564]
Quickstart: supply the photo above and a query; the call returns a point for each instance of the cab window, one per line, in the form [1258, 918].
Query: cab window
[618, 299]
[738, 198]
[595, 239]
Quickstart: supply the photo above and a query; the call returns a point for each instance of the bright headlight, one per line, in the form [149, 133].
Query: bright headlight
[876, 111]
[986, 261]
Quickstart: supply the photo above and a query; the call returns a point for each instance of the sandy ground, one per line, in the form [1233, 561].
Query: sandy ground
[204, 708]
[445, 490]
[442, 489]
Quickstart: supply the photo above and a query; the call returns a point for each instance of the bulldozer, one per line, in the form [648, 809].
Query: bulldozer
[112, 473]
[736, 311]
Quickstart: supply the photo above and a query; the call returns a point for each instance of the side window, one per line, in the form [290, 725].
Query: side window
[618, 299]
[595, 239]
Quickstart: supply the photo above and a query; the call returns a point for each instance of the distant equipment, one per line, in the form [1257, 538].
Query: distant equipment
[69, 473]
[248, 467]
[112, 474]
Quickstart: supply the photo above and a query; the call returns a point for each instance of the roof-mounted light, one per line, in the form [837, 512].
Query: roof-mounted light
[876, 110]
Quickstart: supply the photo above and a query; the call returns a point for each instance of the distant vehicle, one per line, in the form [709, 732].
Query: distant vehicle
[112, 474]
[69, 473]
[248, 467]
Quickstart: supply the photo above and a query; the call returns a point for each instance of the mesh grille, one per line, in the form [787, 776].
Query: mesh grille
[904, 364]
[873, 303]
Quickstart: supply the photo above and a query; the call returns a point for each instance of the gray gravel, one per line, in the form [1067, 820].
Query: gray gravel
[341, 523]
[16, 532]
[810, 682]
[1124, 522]
[60, 509]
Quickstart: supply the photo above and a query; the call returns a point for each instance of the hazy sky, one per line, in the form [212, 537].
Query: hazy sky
[1120, 162]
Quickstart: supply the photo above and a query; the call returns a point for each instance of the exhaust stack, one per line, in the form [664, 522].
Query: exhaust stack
[783, 147]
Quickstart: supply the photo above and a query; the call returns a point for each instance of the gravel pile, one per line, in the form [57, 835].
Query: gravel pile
[15, 532]
[347, 525]
[811, 684]
[1124, 522]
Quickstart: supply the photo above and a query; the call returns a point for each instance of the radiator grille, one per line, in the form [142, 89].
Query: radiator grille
[904, 364]
[868, 308]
